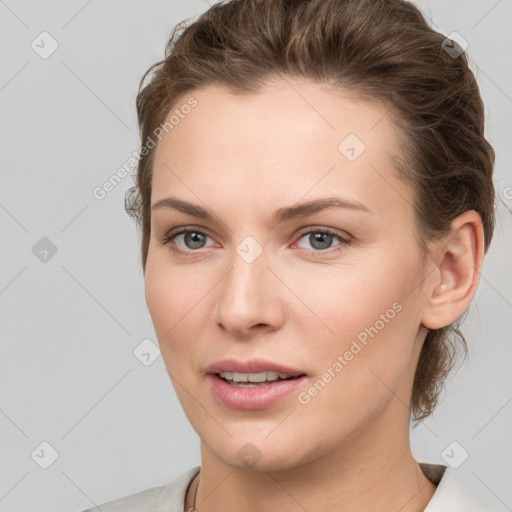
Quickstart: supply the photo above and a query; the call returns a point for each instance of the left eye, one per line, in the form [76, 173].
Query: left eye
[321, 239]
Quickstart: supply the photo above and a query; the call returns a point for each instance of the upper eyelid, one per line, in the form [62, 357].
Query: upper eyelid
[302, 231]
[184, 229]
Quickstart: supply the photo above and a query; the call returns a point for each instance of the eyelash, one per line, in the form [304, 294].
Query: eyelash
[168, 240]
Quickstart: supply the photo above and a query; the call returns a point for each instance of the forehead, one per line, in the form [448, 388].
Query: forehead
[292, 110]
[284, 141]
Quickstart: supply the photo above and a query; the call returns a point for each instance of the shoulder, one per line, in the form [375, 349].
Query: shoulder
[168, 498]
[143, 500]
[451, 495]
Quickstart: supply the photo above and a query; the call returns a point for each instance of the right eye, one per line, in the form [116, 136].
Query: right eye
[192, 239]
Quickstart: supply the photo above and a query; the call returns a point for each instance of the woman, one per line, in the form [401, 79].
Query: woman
[315, 195]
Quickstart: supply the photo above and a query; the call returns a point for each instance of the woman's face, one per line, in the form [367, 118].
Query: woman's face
[260, 279]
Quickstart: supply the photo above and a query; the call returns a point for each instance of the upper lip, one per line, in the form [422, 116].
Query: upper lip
[251, 366]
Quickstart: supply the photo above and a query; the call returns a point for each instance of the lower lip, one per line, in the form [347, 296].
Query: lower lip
[258, 397]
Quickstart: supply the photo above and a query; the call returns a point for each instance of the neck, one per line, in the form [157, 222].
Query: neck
[374, 469]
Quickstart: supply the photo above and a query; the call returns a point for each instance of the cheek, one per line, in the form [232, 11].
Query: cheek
[170, 291]
[349, 301]
[167, 299]
[368, 314]
[177, 302]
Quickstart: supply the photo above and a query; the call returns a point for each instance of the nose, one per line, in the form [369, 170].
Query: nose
[248, 300]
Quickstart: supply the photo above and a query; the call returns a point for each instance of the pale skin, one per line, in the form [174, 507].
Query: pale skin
[242, 157]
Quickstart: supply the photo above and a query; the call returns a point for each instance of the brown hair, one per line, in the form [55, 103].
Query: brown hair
[377, 49]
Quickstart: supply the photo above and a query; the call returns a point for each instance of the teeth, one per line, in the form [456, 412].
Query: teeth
[253, 377]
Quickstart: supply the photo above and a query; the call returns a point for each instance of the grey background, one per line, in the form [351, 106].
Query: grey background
[68, 374]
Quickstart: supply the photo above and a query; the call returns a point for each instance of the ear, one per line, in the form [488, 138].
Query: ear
[459, 259]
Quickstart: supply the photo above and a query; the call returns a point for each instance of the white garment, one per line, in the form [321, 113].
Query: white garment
[450, 495]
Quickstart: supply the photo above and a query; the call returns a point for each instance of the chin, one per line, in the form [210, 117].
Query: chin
[260, 454]
[270, 463]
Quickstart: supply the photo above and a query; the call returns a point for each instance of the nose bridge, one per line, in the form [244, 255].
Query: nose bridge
[245, 298]
[248, 274]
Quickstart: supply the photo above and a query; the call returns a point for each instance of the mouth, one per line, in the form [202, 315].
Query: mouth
[251, 380]
[254, 384]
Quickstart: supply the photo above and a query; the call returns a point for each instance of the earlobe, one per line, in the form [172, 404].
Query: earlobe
[459, 262]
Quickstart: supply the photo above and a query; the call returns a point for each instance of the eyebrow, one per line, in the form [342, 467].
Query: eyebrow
[282, 214]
